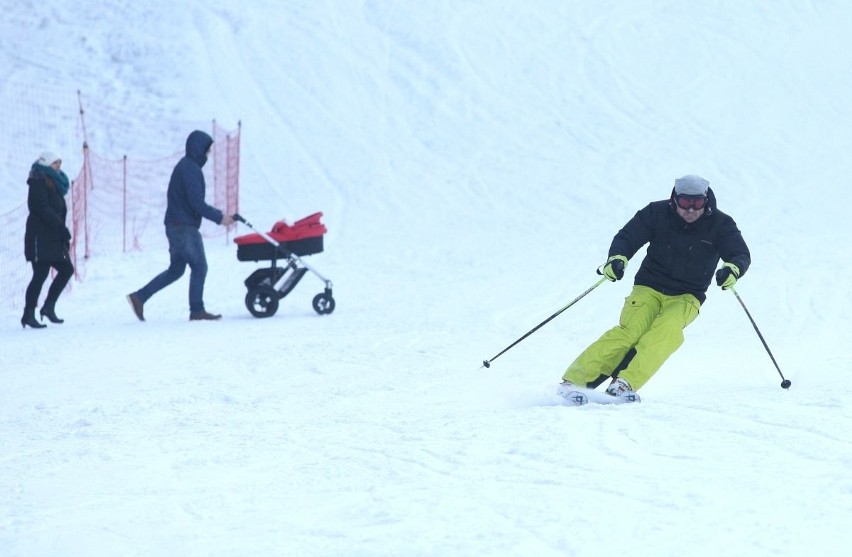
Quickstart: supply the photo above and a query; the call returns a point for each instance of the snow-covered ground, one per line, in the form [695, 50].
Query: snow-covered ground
[473, 160]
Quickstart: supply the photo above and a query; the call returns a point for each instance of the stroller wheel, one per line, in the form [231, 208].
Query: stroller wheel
[262, 301]
[323, 303]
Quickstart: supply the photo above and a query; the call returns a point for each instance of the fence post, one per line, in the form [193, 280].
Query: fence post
[124, 204]
[87, 172]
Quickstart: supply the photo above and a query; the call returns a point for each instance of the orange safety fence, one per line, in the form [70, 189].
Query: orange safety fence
[117, 206]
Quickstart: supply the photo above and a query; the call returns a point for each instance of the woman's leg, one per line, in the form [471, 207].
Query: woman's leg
[64, 272]
[40, 272]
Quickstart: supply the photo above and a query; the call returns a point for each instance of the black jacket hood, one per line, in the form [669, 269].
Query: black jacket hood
[197, 145]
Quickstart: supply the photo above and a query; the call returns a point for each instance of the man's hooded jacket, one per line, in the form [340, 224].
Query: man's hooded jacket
[186, 203]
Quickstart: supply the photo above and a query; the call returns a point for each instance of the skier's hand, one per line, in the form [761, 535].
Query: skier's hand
[227, 220]
[613, 269]
[727, 275]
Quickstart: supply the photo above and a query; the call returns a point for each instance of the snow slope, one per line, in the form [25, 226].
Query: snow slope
[473, 161]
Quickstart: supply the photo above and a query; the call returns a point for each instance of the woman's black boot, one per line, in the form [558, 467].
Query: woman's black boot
[29, 319]
[50, 313]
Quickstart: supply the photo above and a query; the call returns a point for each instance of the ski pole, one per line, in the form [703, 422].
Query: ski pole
[487, 363]
[785, 383]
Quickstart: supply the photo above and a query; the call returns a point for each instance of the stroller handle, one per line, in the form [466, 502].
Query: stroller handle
[238, 217]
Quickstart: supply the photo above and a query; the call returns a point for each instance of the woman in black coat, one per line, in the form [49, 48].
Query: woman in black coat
[47, 240]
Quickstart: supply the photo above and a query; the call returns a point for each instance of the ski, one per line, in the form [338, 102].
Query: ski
[576, 396]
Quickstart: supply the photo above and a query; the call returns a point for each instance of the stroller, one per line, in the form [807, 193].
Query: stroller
[285, 243]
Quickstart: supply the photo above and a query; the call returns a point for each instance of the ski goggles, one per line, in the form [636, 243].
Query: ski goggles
[686, 202]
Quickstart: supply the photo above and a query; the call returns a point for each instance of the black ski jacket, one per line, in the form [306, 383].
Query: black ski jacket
[682, 257]
[46, 237]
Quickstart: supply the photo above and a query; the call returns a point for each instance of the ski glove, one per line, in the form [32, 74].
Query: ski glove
[613, 269]
[727, 275]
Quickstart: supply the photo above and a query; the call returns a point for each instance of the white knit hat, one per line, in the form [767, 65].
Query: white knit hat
[691, 185]
[47, 158]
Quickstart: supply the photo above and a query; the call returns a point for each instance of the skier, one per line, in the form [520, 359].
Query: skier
[686, 236]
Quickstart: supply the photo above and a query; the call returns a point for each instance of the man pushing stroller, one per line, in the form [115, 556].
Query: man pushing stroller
[185, 208]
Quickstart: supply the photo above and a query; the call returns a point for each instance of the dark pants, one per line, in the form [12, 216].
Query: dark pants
[64, 270]
[185, 248]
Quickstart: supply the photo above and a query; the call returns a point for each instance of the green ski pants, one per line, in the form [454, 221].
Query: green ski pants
[650, 322]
